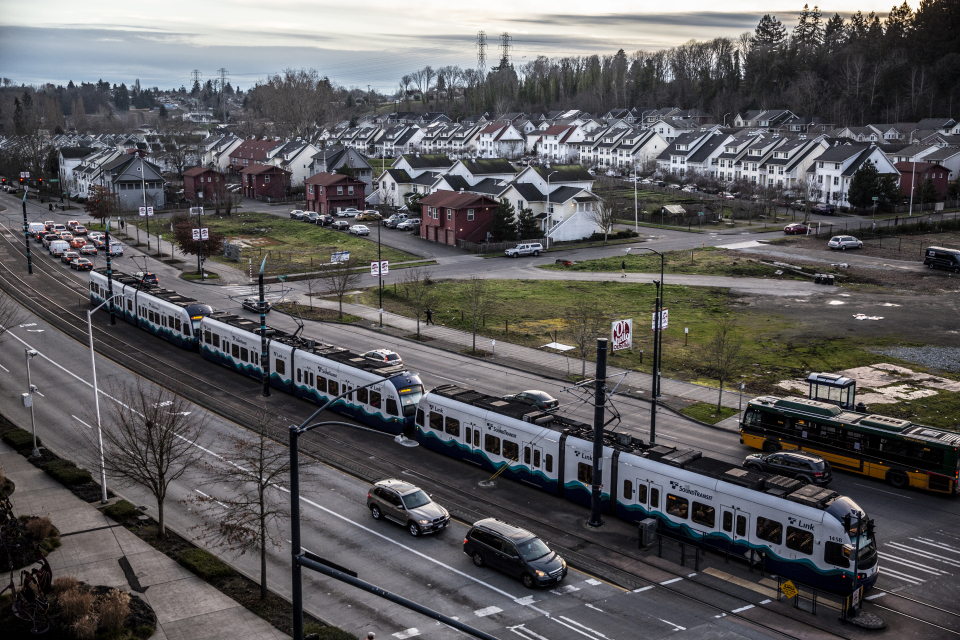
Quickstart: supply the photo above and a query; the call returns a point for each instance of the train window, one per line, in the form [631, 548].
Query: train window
[728, 521]
[334, 387]
[436, 421]
[641, 493]
[256, 357]
[654, 498]
[536, 458]
[627, 490]
[375, 399]
[150, 316]
[311, 379]
[392, 409]
[177, 323]
[585, 473]
[163, 322]
[491, 444]
[769, 530]
[281, 367]
[206, 336]
[833, 554]
[476, 438]
[548, 463]
[216, 340]
[704, 514]
[420, 417]
[800, 540]
[236, 350]
[321, 384]
[677, 506]
[244, 354]
[452, 427]
[511, 451]
[130, 306]
[526, 455]
[363, 395]
[741, 526]
[298, 375]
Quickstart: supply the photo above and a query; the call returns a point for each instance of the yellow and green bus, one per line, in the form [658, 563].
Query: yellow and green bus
[898, 451]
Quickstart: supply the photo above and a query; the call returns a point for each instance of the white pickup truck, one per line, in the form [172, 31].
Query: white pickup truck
[530, 249]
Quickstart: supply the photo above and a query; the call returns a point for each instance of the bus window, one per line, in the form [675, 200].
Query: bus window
[833, 554]
[436, 421]
[752, 418]
[627, 490]
[800, 540]
[452, 427]
[769, 530]
[585, 473]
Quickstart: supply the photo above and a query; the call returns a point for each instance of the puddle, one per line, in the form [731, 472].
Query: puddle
[889, 304]
[844, 295]
[863, 316]
[835, 302]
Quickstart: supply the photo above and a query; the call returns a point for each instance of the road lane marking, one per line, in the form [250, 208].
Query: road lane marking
[673, 624]
[749, 606]
[4, 368]
[409, 633]
[594, 608]
[582, 626]
[939, 545]
[572, 628]
[642, 589]
[80, 421]
[593, 582]
[767, 601]
[565, 589]
[671, 581]
[876, 595]
[489, 611]
[209, 498]
[899, 495]
[914, 565]
[900, 576]
[924, 554]
[523, 632]
[746, 584]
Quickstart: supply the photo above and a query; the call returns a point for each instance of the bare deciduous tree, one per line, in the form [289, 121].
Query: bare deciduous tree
[297, 102]
[245, 518]
[340, 277]
[584, 323]
[148, 439]
[478, 296]
[11, 314]
[724, 353]
[416, 285]
[604, 212]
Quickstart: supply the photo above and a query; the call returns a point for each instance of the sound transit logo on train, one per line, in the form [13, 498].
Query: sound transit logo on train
[500, 430]
[676, 486]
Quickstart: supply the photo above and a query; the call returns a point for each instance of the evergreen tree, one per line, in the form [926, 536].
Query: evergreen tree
[162, 113]
[770, 33]
[927, 192]
[834, 33]
[857, 29]
[864, 186]
[121, 97]
[195, 91]
[890, 194]
[899, 23]
[528, 227]
[504, 226]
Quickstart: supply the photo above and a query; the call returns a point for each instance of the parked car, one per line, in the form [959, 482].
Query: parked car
[822, 207]
[409, 224]
[395, 220]
[67, 256]
[296, 214]
[359, 230]
[146, 278]
[311, 217]
[529, 249]
[348, 213]
[514, 551]
[325, 220]
[726, 195]
[808, 468]
[796, 228]
[340, 225]
[79, 230]
[539, 399]
[252, 304]
[368, 216]
[408, 505]
[941, 258]
[76, 243]
[81, 264]
[844, 242]
[383, 355]
[88, 250]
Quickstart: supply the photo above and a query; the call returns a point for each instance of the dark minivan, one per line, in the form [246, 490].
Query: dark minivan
[941, 258]
[808, 468]
[514, 551]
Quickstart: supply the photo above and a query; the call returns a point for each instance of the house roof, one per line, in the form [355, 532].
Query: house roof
[842, 152]
[257, 169]
[327, 179]
[481, 167]
[455, 199]
[918, 167]
[564, 193]
[254, 149]
[75, 152]
[490, 186]
[565, 173]
[858, 162]
[197, 171]
[942, 154]
[456, 182]
[423, 161]
[710, 145]
[529, 191]
[399, 175]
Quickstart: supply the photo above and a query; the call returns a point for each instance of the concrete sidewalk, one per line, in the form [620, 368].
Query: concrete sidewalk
[95, 550]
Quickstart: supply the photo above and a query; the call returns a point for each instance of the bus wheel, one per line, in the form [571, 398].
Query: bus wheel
[770, 446]
[898, 479]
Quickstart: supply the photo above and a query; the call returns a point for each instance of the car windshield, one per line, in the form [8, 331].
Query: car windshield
[415, 499]
[533, 549]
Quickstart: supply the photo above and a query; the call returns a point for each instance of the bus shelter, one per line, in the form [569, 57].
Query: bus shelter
[833, 388]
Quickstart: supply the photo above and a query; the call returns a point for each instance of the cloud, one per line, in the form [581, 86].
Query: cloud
[703, 19]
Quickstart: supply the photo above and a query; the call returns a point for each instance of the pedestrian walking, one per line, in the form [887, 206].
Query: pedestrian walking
[429, 316]
[623, 268]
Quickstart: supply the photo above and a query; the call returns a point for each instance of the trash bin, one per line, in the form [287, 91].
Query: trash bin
[830, 279]
[817, 278]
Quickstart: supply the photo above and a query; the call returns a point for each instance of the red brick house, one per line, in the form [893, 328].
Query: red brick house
[251, 152]
[264, 181]
[332, 192]
[918, 173]
[449, 216]
[201, 180]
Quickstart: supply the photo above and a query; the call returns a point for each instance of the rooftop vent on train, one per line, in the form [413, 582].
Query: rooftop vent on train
[812, 496]
[311, 344]
[624, 438]
[781, 485]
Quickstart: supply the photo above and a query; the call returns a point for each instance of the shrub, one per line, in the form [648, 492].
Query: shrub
[66, 583]
[39, 528]
[67, 473]
[205, 564]
[76, 603]
[20, 439]
[86, 627]
[121, 510]
[114, 609]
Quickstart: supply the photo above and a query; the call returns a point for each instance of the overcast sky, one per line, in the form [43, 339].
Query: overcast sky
[355, 43]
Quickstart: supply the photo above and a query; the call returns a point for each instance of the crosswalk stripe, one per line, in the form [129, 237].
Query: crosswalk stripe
[914, 565]
[945, 547]
[901, 576]
[924, 554]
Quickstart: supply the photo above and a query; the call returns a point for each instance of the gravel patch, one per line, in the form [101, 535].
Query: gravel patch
[942, 358]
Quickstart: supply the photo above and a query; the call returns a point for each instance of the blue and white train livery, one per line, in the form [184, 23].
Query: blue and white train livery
[798, 531]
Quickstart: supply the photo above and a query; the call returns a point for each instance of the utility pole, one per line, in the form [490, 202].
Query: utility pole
[598, 406]
[264, 351]
[26, 234]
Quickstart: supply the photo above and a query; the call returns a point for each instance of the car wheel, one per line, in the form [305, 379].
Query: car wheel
[536, 253]
[770, 446]
[753, 467]
[930, 265]
[860, 246]
[898, 479]
[375, 512]
[478, 559]
[527, 580]
[843, 247]
[414, 529]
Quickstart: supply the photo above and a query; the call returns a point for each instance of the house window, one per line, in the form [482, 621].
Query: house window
[339, 191]
[449, 214]
[310, 189]
[469, 215]
[836, 180]
[266, 179]
[836, 165]
[349, 191]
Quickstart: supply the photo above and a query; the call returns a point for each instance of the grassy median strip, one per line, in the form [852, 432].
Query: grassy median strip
[708, 412]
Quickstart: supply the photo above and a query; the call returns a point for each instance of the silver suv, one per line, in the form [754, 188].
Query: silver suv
[408, 505]
[530, 249]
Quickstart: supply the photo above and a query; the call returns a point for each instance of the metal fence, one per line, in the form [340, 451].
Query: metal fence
[898, 225]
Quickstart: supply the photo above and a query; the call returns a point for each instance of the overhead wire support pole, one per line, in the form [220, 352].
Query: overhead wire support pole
[264, 350]
[598, 412]
[26, 234]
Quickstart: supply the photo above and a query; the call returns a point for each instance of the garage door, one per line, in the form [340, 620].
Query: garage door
[451, 237]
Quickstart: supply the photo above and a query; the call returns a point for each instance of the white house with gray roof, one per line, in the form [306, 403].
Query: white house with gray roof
[833, 170]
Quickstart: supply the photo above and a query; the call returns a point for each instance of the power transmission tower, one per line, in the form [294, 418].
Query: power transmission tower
[482, 53]
[196, 78]
[222, 80]
[505, 47]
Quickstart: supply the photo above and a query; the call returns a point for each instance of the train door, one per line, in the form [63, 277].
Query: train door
[471, 441]
[533, 462]
[656, 499]
[735, 523]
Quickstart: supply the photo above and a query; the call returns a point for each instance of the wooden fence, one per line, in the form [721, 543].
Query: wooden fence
[492, 247]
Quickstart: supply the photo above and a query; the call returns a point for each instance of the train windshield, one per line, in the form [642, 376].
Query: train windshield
[868, 546]
[410, 397]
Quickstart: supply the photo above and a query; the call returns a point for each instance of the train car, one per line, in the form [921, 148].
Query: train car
[316, 372]
[796, 531]
[162, 312]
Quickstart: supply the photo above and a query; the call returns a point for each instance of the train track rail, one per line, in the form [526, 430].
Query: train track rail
[227, 402]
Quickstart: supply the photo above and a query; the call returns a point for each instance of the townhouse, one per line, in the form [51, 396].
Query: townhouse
[265, 181]
[135, 182]
[834, 169]
[251, 152]
[333, 192]
[215, 150]
[295, 157]
[559, 143]
[500, 140]
[336, 157]
[913, 175]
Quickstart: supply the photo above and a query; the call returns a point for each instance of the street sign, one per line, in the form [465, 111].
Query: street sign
[143, 212]
[196, 210]
[621, 334]
[857, 595]
[54, 180]
[789, 589]
[149, 211]
[196, 234]
[339, 256]
[24, 174]
[204, 234]
[381, 268]
[875, 198]
[663, 320]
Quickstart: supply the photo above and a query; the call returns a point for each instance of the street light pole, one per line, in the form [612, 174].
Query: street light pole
[549, 213]
[657, 346]
[636, 216]
[380, 269]
[31, 354]
[96, 399]
[264, 351]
